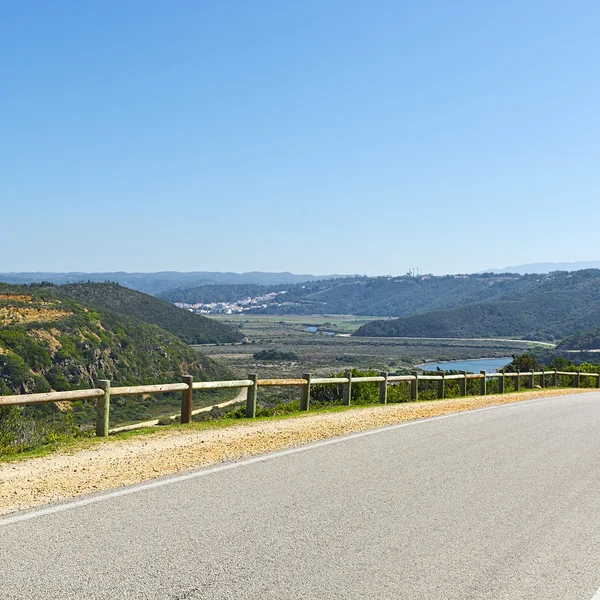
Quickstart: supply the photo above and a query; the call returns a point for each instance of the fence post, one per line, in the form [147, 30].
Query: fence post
[543, 380]
[531, 383]
[251, 396]
[186, 399]
[518, 381]
[347, 389]
[578, 379]
[554, 379]
[501, 381]
[441, 387]
[598, 381]
[305, 393]
[103, 409]
[483, 384]
[414, 386]
[383, 388]
[463, 384]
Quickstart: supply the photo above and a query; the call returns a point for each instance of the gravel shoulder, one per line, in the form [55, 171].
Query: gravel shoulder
[61, 476]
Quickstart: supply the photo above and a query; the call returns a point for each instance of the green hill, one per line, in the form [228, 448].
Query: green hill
[555, 306]
[189, 327]
[589, 339]
[384, 296]
[51, 342]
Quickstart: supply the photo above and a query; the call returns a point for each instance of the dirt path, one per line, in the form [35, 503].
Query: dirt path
[241, 397]
[60, 476]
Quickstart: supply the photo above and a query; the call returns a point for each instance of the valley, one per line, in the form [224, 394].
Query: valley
[322, 354]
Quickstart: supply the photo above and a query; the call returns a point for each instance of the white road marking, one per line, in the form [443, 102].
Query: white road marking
[141, 487]
[596, 596]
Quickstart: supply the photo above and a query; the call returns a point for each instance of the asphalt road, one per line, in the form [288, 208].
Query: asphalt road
[495, 504]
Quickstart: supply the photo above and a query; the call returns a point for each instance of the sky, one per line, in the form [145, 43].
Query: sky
[320, 136]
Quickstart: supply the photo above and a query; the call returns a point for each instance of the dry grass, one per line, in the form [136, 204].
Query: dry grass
[15, 298]
[21, 315]
[48, 336]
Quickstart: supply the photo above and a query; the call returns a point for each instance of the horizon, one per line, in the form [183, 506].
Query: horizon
[332, 138]
[500, 270]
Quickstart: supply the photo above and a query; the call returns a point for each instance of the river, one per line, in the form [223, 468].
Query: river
[491, 365]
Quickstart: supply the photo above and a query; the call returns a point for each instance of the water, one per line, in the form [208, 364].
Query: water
[490, 365]
[314, 329]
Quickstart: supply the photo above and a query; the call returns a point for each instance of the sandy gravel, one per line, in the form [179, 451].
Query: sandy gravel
[117, 463]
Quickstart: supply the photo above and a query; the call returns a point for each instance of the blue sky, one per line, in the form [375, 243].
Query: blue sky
[313, 137]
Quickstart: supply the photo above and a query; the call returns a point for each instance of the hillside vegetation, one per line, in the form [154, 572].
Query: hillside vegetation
[382, 296]
[588, 339]
[549, 307]
[51, 342]
[189, 327]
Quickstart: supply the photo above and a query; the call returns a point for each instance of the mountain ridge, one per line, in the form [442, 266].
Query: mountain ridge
[547, 267]
[160, 281]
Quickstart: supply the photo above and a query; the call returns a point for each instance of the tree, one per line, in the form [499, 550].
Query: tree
[525, 363]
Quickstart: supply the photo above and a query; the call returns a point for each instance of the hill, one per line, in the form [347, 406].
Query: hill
[189, 327]
[384, 296]
[589, 339]
[51, 342]
[553, 307]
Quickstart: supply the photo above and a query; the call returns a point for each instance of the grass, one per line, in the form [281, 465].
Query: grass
[88, 441]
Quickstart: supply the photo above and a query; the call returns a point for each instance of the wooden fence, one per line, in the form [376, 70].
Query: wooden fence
[104, 392]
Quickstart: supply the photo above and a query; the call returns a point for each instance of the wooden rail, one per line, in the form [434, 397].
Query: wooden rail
[23, 399]
[103, 393]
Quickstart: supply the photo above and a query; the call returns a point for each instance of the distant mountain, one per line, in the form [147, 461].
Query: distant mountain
[155, 283]
[550, 307]
[548, 267]
[189, 327]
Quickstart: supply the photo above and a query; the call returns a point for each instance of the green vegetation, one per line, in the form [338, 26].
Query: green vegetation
[381, 296]
[22, 429]
[550, 307]
[51, 342]
[524, 363]
[189, 327]
[539, 307]
[589, 339]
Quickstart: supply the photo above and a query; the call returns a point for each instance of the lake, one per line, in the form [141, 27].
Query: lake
[491, 365]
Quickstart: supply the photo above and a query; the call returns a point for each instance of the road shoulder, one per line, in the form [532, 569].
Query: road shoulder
[63, 476]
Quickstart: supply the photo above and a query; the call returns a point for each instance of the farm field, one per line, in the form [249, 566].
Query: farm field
[320, 353]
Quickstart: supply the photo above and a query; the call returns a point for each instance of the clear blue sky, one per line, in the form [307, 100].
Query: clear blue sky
[315, 136]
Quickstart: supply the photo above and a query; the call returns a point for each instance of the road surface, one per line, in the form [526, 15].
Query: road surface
[499, 503]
